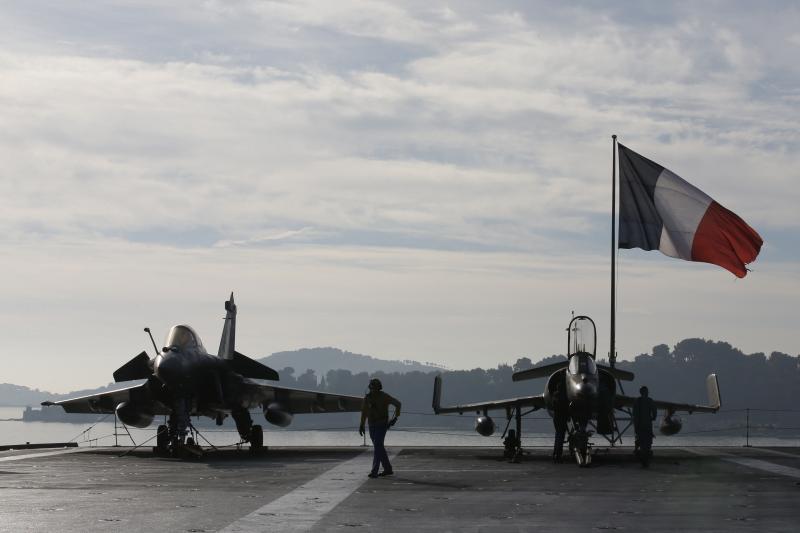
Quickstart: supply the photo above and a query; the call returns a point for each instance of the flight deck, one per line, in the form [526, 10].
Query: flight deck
[433, 489]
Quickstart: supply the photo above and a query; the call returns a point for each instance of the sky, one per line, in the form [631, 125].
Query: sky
[410, 180]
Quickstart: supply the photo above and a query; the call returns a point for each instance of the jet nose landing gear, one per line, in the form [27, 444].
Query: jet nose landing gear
[581, 448]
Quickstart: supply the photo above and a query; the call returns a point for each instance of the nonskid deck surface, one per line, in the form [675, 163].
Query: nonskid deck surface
[433, 489]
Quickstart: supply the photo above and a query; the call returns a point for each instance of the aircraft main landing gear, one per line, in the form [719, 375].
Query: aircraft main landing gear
[162, 440]
[248, 432]
[513, 441]
[256, 439]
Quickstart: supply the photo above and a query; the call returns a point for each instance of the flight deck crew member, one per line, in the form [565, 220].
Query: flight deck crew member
[376, 410]
[644, 412]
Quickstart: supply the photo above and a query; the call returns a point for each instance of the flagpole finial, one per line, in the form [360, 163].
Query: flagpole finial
[614, 137]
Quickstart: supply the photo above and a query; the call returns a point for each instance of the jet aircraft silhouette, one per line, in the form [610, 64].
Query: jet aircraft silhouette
[592, 394]
[184, 380]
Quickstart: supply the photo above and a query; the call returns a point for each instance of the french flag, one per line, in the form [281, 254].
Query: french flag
[659, 210]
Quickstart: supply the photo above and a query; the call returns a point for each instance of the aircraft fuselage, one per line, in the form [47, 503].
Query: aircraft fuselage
[582, 385]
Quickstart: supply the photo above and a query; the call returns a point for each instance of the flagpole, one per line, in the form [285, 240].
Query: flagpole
[612, 354]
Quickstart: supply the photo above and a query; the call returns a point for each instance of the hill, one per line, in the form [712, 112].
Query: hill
[322, 360]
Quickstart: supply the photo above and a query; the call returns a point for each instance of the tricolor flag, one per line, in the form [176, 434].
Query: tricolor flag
[658, 210]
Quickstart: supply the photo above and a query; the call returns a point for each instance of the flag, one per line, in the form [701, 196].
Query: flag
[659, 210]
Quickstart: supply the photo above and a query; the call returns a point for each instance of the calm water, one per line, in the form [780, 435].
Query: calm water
[102, 434]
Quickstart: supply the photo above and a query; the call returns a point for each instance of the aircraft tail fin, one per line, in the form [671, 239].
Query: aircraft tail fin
[437, 393]
[227, 344]
[712, 387]
[539, 371]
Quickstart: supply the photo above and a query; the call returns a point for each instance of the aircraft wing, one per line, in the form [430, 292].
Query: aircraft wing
[714, 400]
[539, 371]
[299, 401]
[523, 401]
[106, 402]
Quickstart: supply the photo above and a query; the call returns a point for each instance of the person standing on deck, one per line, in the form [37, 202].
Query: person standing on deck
[644, 412]
[376, 410]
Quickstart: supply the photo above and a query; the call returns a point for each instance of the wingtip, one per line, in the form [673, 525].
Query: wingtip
[714, 395]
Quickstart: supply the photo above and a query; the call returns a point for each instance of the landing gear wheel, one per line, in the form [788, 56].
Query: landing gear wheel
[582, 449]
[162, 440]
[256, 439]
[517, 457]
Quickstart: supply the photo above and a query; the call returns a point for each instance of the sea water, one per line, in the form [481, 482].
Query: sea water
[15, 431]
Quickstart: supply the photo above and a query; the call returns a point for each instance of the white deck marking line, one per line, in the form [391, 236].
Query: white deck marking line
[20, 457]
[302, 508]
[765, 466]
[477, 470]
[758, 464]
[776, 452]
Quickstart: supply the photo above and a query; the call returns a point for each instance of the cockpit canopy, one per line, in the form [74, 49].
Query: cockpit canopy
[581, 336]
[183, 338]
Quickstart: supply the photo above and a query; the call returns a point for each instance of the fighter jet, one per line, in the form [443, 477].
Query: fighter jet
[184, 380]
[592, 394]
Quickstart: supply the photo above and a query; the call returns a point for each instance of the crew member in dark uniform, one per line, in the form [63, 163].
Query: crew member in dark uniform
[376, 410]
[644, 412]
[560, 419]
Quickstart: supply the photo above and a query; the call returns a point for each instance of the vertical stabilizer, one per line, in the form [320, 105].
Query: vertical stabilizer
[227, 344]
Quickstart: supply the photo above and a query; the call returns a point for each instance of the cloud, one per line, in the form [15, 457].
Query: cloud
[385, 141]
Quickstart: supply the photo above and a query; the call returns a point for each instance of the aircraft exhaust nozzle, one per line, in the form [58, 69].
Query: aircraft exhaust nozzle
[277, 415]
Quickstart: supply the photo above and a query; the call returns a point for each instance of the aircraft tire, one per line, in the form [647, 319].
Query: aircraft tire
[256, 438]
[162, 439]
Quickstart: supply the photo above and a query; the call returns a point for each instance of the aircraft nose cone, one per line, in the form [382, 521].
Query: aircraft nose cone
[169, 368]
[584, 388]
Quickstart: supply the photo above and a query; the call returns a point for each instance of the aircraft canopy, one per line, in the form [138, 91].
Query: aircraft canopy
[183, 338]
[582, 336]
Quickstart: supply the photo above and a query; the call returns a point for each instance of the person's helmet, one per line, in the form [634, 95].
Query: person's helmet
[644, 390]
[375, 384]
